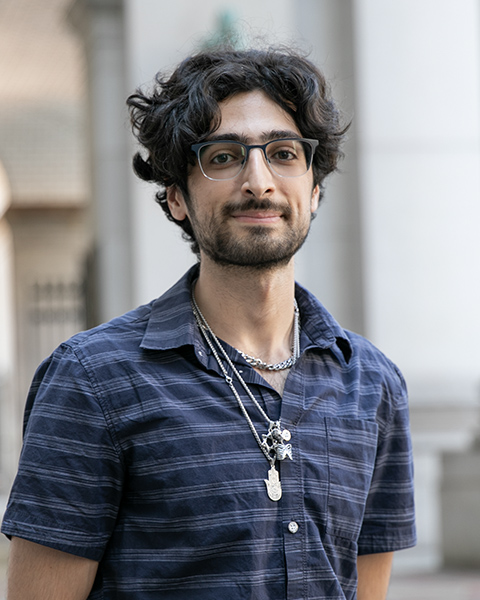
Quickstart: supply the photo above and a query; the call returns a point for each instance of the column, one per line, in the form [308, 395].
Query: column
[101, 25]
[331, 262]
[418, 124]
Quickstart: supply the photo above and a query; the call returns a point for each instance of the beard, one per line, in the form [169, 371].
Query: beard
[258, 248]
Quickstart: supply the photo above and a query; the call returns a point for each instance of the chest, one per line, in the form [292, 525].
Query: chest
[276, 379]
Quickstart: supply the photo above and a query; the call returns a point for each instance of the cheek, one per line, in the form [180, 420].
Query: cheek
[207, 197]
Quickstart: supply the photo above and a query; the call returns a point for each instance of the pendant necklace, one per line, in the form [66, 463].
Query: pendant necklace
[272, 443]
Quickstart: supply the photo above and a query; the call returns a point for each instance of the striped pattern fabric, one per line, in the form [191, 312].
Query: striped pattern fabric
[136, 455]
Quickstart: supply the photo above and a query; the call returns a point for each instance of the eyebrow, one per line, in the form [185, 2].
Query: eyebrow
[266, 136]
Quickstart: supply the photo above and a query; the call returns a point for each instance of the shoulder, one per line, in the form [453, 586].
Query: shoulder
[361, 355]
[92, 354]
[123, 331]
[110, 359]
[160, 319]
[370, 358]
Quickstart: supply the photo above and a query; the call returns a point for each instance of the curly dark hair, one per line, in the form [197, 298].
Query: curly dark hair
[183, 109]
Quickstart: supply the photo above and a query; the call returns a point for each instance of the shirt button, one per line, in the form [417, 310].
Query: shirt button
[293, 527]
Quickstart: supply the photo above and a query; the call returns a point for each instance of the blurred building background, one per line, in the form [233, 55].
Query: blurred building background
[395, 250]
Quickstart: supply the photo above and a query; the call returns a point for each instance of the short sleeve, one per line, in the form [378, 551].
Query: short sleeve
[69, 482]
[389, 519]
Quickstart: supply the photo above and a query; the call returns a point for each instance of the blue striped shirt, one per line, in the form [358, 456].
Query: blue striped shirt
[136, 455]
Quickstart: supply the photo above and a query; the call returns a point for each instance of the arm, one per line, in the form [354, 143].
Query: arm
[36, 572]
[374, 575]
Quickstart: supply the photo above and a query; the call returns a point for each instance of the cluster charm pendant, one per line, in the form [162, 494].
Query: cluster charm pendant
[273, 443]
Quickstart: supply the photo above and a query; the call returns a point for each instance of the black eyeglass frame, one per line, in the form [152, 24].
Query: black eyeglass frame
[198, 147]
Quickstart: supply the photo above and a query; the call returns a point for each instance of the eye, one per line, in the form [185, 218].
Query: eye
[284, 155]
[285, 151]
[221, 155]
[222, 158]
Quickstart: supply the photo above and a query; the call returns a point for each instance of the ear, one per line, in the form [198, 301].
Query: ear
[314, 201]
[176, 203]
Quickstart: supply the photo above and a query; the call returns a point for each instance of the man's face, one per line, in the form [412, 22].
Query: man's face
[257, 219]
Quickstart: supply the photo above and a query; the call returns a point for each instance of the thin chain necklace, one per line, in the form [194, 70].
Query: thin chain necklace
[273, 444]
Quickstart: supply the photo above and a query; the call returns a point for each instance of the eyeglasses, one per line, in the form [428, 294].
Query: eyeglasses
[225, 159]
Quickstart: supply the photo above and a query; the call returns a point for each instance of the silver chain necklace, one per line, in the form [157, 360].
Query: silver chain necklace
[285, 364]
[273, 443]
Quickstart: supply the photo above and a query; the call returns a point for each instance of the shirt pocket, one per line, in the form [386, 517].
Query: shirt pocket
[351, 451]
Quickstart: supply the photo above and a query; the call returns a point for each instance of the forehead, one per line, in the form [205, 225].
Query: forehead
[252, 115]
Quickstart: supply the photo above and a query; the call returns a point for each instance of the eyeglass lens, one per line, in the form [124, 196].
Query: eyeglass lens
[225, 160]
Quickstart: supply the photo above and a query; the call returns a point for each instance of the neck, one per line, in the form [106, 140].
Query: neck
[249, 309]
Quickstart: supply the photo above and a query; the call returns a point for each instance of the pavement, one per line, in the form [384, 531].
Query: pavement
[444, 585]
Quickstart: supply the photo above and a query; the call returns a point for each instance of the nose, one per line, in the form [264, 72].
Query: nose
[258, 179]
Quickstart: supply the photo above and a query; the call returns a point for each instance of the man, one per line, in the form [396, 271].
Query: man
[229, 440]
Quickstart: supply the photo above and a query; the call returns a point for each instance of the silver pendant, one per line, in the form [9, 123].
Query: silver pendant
[283, 450]
[273, 442]
[274, 487]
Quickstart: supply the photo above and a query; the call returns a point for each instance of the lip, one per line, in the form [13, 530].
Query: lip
[256, 218]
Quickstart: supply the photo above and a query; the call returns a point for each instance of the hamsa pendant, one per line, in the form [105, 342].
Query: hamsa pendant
[274, 487]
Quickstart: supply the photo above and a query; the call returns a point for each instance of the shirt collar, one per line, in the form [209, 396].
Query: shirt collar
[171, 323]
[320, 327]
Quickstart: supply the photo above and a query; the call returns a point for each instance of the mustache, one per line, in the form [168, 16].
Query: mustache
[255, 204]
